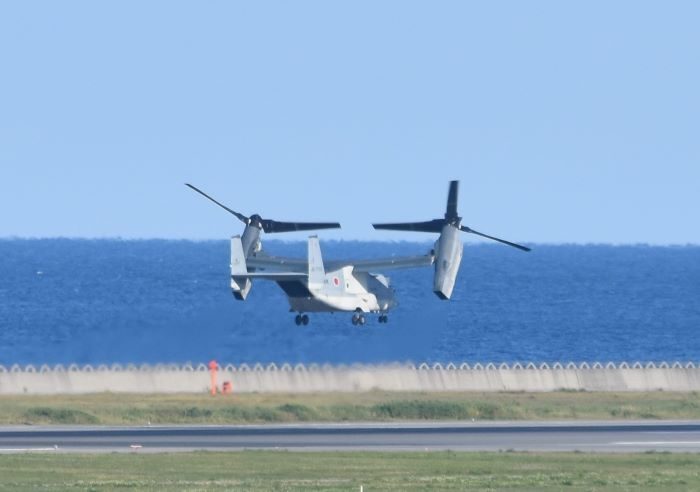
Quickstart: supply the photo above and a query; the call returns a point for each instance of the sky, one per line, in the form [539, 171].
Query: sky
[566, 122]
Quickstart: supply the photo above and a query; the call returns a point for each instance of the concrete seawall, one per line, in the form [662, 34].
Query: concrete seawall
[356, 378]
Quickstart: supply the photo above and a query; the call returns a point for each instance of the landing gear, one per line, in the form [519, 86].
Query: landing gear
[358, 319]
[383, 318]
[301, 319]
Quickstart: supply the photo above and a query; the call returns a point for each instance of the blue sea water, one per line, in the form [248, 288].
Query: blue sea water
[105, 301]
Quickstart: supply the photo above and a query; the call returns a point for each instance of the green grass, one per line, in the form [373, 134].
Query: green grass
[275, 470]
[120, 409]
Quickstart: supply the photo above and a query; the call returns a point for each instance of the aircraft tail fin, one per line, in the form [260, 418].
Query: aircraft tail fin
[317, 272]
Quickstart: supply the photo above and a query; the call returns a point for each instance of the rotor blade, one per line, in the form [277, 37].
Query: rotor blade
[275, 226]
[429, 226]
[451, 211]
[240, 217]
[467, 229]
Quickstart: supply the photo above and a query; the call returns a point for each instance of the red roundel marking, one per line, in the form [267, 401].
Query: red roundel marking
[336, 281]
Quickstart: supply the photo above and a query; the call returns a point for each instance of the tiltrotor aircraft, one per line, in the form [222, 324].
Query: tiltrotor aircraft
[312, 285]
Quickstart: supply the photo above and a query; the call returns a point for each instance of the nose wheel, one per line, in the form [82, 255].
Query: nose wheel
[383, 318]
[301, 319]
[358, 319]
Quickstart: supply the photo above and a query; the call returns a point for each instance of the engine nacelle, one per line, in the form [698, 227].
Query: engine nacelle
[448, 256]
[240, 284]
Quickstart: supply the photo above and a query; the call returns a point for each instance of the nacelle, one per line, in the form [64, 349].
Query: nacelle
[448, 256]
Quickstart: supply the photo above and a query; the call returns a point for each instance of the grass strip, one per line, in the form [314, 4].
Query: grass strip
[279, 470]
[133, 409]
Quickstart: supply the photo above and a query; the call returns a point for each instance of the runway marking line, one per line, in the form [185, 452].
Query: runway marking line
[655, 443]
[25, 450]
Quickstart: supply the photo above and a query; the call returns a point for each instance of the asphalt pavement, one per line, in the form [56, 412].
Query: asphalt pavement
[594, 436]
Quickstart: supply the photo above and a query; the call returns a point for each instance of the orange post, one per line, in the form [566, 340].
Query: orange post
[213, 367]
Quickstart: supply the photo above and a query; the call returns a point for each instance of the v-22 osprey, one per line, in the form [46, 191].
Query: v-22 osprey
[313, 285]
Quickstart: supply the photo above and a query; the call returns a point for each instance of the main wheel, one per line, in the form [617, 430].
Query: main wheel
[297, 319]
[354, 319]
[305, 320]
[361, 320]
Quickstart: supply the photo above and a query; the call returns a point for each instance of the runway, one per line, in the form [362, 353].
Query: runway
[674, 436]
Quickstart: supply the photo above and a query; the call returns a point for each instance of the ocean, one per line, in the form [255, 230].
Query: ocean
[157, 301]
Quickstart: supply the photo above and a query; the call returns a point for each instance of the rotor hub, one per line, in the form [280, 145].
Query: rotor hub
[256, 221]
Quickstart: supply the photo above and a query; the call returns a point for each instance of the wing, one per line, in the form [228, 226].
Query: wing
[392, 263]
[280, 263]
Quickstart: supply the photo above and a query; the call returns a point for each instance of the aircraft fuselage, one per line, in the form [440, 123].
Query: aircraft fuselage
[341, 290]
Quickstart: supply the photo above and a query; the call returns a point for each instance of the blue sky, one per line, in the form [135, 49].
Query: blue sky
[564, 121]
